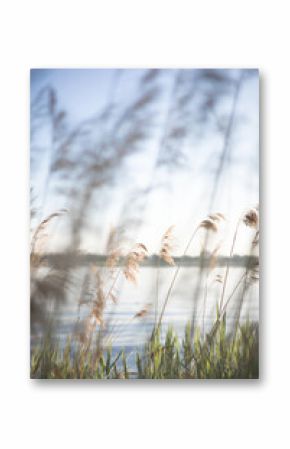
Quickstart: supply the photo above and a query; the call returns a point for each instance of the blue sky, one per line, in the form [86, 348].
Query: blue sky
[84, 93]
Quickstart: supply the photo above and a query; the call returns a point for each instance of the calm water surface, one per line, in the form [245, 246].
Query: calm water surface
[129, 332]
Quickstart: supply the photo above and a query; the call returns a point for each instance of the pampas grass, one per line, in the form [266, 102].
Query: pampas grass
[133, 260]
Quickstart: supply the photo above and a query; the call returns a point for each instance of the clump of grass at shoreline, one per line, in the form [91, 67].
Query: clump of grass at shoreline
[218, 356]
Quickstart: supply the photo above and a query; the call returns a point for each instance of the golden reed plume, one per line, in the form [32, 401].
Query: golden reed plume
[167, 247]
[133, 260]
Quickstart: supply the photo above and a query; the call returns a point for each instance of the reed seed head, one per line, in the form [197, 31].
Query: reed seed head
[209, 224]
[133, 260]
[39, 235]
[167, 247]
[212, 221]
[251, 218]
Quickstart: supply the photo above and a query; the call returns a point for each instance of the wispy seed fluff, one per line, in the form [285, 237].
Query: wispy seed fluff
[251, 218]
[133, 260]
[212, 221]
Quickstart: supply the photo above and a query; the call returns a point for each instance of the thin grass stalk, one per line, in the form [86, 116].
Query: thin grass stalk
[174, 278]
[228, 264]
[198, 285]
[222, 312]
[113, 284]
[211, 266]
[249, 269]
[241, 301]
[157, 292]
[204, 304]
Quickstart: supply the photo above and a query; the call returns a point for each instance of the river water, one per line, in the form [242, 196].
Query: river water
[187, 299]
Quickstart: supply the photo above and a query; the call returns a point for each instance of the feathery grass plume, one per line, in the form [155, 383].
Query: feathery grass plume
[133, 260]
[48, 285]
[251, 274]
[177, 269]
[218, 216]
[113, 258]
[209, 224]
[251, 218]
[41, 227]
[166, 247]
[253, 271]
[39, 236]
[212, 221]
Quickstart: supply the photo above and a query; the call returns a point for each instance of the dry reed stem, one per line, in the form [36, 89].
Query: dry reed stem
[178, 269]
[228, 266]
[252, 271]
[223, 310]
[212, 264]
[211, 223]
[250, 218]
